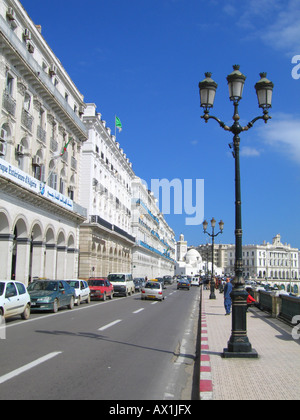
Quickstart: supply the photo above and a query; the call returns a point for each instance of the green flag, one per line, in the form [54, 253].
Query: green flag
[118, 124]
[65, 147]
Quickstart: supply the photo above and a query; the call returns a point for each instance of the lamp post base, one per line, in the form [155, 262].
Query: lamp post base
[239, 345]
[212, 295]
[240, 355]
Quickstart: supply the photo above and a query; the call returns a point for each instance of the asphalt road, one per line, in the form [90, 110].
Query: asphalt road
[124, 349]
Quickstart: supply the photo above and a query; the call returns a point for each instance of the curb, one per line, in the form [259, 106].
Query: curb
[206, 384]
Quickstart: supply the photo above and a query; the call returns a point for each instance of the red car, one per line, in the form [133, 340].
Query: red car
[101, 288]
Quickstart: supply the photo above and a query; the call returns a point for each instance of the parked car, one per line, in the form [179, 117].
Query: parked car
[183, 284]
[14, 299]
[138, 284]
[82, 290]
[100, 288]
[50, 295]
[152, 290]
[122, 282]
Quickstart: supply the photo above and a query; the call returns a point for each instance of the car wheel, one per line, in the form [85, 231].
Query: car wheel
[111, 296]
[71, 305]
[104, 296]
[88, 299]
[55, 306]
[26, 314]
[78, 301]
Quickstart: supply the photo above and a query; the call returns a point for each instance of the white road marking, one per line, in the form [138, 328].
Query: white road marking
[31, 365]
[139, 310]
[110, 325]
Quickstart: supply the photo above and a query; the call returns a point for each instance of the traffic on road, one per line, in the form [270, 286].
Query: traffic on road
[51, 295]
[99, 344]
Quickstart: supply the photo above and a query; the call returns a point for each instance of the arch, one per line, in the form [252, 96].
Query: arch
[20, 226]
[61, 238]
[50, 253]
[4, 222]
[50, 236]
[36, 231]
[25, 143]
[71, 241]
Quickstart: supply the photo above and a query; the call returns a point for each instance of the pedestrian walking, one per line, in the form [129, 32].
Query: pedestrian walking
[227, 296]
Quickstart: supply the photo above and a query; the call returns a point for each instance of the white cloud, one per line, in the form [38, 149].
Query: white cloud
[274, 22]
[282, 133]
[249, 152]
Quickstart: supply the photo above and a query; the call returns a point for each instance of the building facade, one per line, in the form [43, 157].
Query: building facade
[220, 257]
[106, 238]
[153, 254]
[275, 263]
[41, 135]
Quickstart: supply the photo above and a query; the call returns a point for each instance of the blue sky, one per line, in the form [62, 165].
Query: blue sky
[143, 59]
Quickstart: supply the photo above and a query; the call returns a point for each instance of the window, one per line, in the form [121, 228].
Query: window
[53, 180]
[9, 84]
[39, 173]
[10, 290]
[21, 288]
[71, 193]
[27, 102]
[61, 186]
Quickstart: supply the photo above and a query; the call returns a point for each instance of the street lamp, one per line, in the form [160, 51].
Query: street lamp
[212, 235]
[238, 344]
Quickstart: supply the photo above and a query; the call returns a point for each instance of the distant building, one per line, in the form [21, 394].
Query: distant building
[154, 250]
[106, 238]
[275, 263]
[189, 262]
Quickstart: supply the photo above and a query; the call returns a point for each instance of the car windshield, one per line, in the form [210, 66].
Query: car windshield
[49, 286]
[152, 286]
[73, 283]
[116, 277]
[96, 283]
[2, 287]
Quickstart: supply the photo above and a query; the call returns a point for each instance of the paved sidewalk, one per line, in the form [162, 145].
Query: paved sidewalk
[275, 375]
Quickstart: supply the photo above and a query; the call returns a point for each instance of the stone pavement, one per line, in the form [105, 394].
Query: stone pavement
[275, 375]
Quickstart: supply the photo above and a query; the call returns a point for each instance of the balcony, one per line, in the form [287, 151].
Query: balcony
[41, 134]
[26, 120]
[12, 45]
[9, 104]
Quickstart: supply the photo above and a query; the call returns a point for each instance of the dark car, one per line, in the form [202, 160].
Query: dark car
[138, 283]
[183, 284]
[162, 281]
[168, 279]
[51, 295]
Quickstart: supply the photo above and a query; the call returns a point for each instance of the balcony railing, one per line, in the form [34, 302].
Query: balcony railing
[26, 120]
[9, 104]
[41, 134]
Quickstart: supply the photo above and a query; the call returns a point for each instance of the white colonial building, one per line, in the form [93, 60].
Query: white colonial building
[190, 262]
[154, 250]
[106, 238]
[41, 135]
[275, 263]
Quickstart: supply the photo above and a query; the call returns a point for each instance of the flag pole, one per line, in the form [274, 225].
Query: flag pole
[115, 127]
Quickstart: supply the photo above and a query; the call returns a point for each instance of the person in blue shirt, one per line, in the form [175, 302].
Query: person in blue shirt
[227, 298]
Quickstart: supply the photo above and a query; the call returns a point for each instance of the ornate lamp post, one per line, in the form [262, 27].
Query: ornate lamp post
[238, 344]
[213, 235]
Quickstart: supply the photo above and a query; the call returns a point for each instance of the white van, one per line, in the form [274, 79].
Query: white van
[122, 282]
